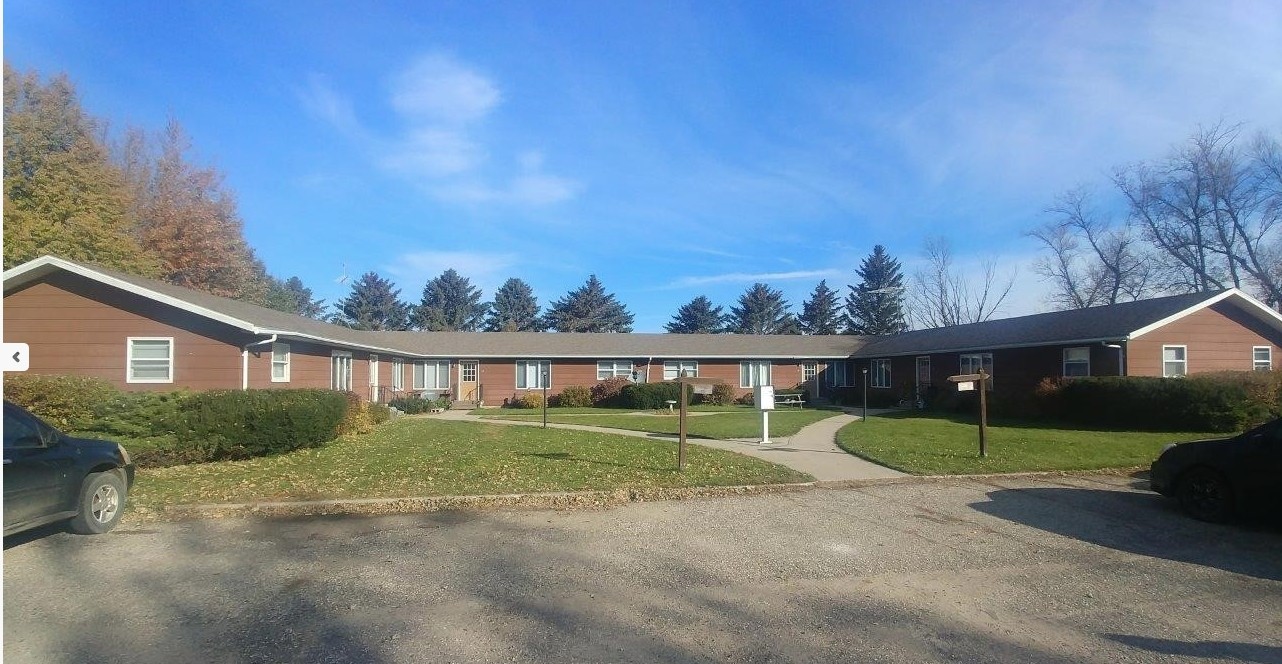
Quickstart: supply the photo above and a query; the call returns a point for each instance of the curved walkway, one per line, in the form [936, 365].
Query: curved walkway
[811, 450]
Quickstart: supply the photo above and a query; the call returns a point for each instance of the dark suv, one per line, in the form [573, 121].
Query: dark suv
[49, 476]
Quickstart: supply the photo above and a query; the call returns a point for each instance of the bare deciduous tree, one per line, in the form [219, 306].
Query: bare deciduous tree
[1091, 261]
[942, 295]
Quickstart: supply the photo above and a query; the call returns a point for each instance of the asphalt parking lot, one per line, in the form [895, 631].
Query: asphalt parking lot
[1067, 569]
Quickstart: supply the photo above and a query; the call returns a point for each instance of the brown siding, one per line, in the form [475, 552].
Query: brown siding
[76, 326]
[1219, 338]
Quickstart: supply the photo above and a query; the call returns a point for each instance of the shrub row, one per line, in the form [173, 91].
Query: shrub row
[415, 405]
[1225, 401]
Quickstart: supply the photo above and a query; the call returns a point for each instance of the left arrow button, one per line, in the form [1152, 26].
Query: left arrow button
[17, 357]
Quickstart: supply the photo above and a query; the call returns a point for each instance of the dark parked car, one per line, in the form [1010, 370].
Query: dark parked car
[1216, 479]
[49, 476]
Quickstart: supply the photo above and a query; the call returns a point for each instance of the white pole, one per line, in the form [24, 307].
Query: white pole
[765, 427]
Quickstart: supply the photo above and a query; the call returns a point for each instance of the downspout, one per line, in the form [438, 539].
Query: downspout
[244, 360]
[648, 360]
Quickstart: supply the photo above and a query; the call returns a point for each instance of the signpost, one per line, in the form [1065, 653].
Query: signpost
[700, 386]
[968, 382]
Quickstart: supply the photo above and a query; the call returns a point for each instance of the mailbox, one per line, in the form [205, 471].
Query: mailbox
[763, 396]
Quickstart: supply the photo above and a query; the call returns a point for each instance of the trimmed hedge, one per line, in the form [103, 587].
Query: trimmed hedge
[415, 405]
[575, 396]
[236, 424]
[67, 402]
[1225, 401]
[650, 396]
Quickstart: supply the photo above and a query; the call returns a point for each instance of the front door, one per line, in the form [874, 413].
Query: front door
[468, 389]
[923, 376]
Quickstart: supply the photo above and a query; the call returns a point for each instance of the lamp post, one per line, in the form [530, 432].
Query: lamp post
[545, 399]
[865, 394]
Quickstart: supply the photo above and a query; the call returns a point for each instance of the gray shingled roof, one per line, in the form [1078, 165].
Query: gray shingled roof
[262, 320]
[1106, 323]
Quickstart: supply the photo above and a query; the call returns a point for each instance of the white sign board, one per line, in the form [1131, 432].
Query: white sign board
[966, 386]
[764, 397]
[701, 389]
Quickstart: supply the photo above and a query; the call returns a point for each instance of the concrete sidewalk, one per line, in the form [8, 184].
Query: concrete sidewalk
[811, 450]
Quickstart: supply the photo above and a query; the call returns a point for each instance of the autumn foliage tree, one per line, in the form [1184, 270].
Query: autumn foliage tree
[62, 194]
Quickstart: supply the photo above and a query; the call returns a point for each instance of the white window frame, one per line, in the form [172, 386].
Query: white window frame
[1064, 362]
[278, 348]
[129, 360]
[607, 369]
[398, 373]
[340, 363]
[809, 371]
[750, 373]
[880, 370]
[462, 369]
[523, 368]
[1262, 365]
[672, 369]
[969, 363]
[440, 375]
[832, 378]
[1184, 361]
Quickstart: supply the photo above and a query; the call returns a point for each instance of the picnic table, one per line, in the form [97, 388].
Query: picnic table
[789, 400]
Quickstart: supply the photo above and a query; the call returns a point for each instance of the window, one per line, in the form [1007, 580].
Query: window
[839, 374]
[606, 369]
[150, 360]
[923, 371]
[1262, 358]
[808, 371]
[432, 375]
[971, 363]
[467, 371]
[280, 363]
[530, 374]
[340, 371]
[672, 369]
[398, 374]
[880, 373]
[1077, 361]
[752, 374]
[1175, 361]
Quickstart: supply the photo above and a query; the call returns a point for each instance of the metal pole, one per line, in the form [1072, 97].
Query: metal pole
[983, 413]
[865, 419]
[681, 438]
[545, 399]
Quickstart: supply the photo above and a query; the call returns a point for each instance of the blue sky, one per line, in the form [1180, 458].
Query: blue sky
[672, 149]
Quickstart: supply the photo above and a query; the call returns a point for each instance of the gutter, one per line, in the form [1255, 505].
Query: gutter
[244, 359]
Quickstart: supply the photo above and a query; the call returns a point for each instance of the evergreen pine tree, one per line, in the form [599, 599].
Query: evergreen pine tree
[876, 305]
[291, 296]
[515, 309]
[762, 310]
[588, 309]
[821, 314]
[373, 304]
[698, 317]
[450, 304]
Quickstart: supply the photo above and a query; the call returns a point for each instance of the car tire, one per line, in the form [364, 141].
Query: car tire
[1206, 495]
[101, 503]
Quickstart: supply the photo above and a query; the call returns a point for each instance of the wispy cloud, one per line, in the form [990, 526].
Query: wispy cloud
[748, 278]
[439, 144]
[485, 269]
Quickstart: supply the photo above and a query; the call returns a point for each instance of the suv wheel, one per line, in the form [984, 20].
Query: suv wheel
[102, 500]
[1206, 495]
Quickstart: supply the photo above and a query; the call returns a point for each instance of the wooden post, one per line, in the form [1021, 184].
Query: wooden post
[983, 413]
[681, 438]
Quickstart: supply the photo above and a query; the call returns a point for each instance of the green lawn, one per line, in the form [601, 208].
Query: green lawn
[413, 457]
[738, 423]
[935, 445]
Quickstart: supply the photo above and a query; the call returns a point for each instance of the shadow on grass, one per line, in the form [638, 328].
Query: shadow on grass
[566, 456]
[972, 419]
[1143, 524]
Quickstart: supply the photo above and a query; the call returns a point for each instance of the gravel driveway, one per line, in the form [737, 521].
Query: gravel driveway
[1077, 569]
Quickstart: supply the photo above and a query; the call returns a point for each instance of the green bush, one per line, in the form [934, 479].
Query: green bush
[575, 396]
[413, 405]
[235, 424]
[605, 394]
[140, 414]
[649, 396]
[67, 402]
[722, 395]
[1226, 401]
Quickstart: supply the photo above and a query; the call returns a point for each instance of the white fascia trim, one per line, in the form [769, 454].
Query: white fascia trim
[562, 356]
[1252, 305]
[976, 349]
